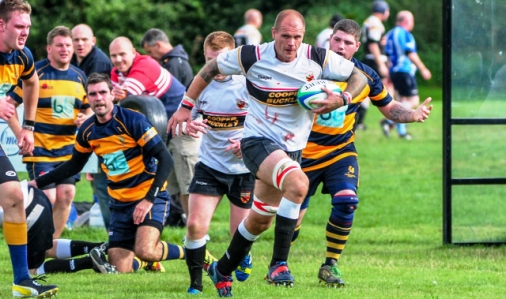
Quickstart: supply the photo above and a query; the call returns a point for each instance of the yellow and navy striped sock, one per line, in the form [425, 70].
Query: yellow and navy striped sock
[172, 251]
[16, 238]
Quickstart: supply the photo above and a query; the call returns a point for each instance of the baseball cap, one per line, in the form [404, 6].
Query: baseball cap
[380, 6]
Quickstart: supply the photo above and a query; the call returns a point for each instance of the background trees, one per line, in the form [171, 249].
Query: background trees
[189, 21]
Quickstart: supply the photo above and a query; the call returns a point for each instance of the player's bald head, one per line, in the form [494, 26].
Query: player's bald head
[252, 14]
[289, 16]
[405, 19]
[83, 29]
[121, 42]
[403, 16]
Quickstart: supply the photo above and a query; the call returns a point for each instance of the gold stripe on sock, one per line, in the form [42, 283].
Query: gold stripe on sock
[15, 233]
[165, 250]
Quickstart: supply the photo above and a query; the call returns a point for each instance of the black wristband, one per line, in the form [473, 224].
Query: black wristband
[186, 106]
[30, 123]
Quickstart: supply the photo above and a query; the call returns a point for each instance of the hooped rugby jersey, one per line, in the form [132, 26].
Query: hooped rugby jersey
[333, 134]
[15, 65]
[400, 43]
[147, 77]
[121, 145]
[62, 95]
[225, 117]
[273, 85]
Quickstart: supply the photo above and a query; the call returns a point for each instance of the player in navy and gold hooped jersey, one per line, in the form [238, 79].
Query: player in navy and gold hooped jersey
[330, 155]
[16, 62]
[62, 105]
[126, 145]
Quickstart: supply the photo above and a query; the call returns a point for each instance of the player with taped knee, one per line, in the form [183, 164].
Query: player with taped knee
[275, 131]
[330, 156]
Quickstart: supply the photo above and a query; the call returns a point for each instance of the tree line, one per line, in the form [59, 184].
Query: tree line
[187, 22]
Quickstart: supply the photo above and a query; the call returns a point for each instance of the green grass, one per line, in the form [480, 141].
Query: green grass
[395, 248]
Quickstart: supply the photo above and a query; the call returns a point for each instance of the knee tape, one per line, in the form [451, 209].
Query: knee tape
[281, 170]
[344, 206]
[263, 208]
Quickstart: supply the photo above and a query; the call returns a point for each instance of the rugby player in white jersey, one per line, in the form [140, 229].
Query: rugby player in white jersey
[220, 169]
[275, 131]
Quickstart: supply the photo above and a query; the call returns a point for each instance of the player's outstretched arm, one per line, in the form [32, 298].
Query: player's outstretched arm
[65, 170]
[398, 113]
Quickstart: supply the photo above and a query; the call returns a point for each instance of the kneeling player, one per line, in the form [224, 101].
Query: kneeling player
[126, 145]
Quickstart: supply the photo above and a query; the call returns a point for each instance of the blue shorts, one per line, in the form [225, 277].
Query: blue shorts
[341, 175]
[37, 169]
[122, 229]
[237, 187]
[256, 149]
[404, 84]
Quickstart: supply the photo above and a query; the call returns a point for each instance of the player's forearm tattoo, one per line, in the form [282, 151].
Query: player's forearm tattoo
[209, 71]
[400, 114]
[356, 82]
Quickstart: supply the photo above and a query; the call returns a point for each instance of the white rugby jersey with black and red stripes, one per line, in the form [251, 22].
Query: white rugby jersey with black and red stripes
[225, 105]
[273, 85]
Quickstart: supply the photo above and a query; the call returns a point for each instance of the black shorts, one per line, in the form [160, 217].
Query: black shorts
[404, 84]
[39, 219]
[37, 169]
[237, 187]
[256, 149]
[7, 172]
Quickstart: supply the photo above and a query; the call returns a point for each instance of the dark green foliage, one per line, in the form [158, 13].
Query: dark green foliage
[187, 22]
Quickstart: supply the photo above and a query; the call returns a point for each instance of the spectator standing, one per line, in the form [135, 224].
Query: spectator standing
[404, 62]
[136, 74]
[184, 149]
[174, 59]
[322, 40]
[248, 34]
[87, 56]
[373, 33]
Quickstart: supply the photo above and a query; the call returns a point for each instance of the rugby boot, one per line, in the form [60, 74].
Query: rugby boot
[331, 276]
[279, 274]
[30, 288]
[155, 267]
[100, 263]
[244, 270]
[223, 283]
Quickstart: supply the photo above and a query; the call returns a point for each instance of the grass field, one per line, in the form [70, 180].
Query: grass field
[395, 248]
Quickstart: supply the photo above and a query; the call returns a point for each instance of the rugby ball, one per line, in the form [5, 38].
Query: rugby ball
[313, 91]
